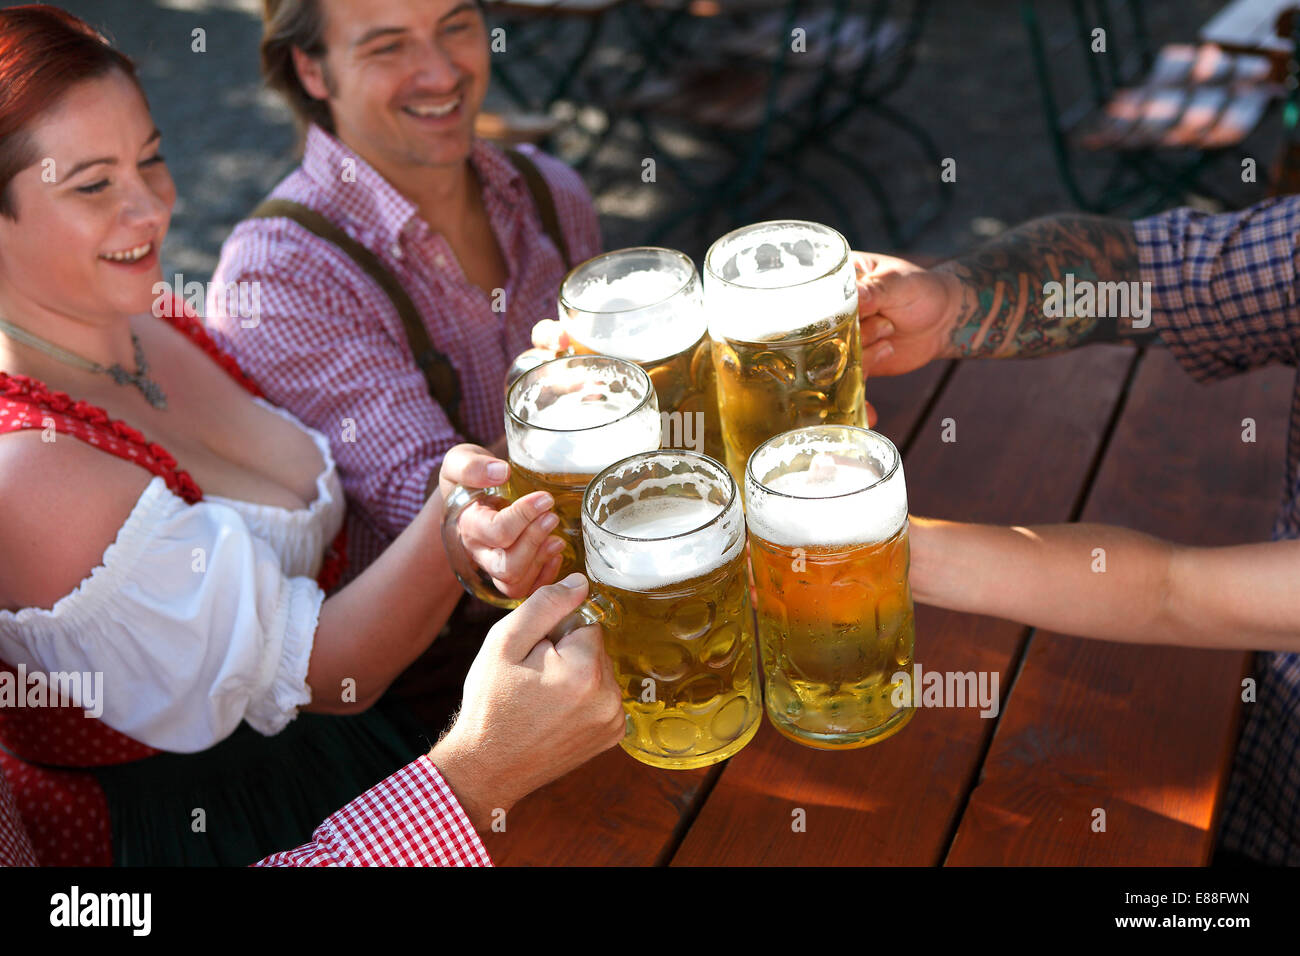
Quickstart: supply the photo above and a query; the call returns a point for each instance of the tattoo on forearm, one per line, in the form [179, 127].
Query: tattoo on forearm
[1050, 285]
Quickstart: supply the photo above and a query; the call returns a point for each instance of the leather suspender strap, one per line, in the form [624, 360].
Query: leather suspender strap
[439, 373]
[543, 199]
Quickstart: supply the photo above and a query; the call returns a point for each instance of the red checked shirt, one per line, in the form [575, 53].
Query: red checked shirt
[411, 819]
[328, 345]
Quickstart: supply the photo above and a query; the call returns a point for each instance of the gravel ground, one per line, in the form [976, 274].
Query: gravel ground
[973, 88]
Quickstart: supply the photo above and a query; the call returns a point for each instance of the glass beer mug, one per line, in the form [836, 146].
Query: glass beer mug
[565, 420]
[665, 548]
[646, 305]
[782, 301]
[827, 514]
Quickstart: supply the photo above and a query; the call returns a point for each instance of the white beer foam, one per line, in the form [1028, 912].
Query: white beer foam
[815, 516]
[773, 315]
[637, 317]
[777, 292]
[646, 564]
[576, 435]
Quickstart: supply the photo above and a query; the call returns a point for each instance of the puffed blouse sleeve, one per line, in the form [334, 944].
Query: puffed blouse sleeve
[191, 621]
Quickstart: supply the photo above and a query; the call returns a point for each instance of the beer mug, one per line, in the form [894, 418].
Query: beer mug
[646, 305]
[783, 315]
[565, 420]
[827, 514]
[665, 548]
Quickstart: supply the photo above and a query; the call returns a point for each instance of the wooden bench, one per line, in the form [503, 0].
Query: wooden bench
[1164, 117]
[1195, 97]
[515, 128]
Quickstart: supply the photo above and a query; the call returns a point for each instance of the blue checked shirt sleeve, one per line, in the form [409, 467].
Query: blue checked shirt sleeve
[1225, 296]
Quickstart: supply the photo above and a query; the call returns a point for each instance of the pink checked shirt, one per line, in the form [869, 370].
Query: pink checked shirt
[410, 819]
[328, 345]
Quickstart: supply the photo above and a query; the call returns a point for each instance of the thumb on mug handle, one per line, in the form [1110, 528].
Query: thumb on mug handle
[477, 582]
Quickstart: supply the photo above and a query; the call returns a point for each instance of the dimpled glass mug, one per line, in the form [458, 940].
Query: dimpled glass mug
[827, 514]
[782, 300]
[566, 419]
[665, 544]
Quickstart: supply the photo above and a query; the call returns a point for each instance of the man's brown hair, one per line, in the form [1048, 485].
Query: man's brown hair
[297, 23]
[287, 24]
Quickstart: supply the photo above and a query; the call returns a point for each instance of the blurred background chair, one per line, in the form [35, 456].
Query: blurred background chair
[772, 88]
[1164, 119]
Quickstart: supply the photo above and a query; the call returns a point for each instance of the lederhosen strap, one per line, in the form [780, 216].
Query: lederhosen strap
[439, 373]
[544, 200]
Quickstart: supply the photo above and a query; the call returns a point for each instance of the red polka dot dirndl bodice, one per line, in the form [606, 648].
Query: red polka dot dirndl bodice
[44, 752]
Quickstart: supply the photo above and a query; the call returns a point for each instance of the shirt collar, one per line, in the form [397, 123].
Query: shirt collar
[374, 201]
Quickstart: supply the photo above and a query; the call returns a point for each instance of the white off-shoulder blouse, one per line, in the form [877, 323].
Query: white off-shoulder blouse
[199, 616]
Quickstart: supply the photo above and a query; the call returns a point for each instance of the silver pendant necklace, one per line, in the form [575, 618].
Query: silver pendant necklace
[139, 379]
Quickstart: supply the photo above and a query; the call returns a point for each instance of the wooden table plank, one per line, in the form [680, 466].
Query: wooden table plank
[613, 811]
[900, 400]
[1145, 733]
[1027, 434]
[616, 811]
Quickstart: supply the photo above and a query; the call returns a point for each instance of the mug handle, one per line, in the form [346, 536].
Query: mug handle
[477, 582]
[529, 359]
[595, 610]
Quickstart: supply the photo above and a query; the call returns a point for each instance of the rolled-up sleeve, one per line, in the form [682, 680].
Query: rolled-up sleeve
[190, 621]
[1225, 296]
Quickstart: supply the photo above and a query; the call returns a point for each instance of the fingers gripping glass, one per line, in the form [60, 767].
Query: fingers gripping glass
[665, 551]
[565, 420]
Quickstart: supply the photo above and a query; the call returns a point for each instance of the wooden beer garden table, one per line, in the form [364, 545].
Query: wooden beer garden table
[1104, 434]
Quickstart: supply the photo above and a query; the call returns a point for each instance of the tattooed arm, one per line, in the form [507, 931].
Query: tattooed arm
[1007, 287]
[1035, 290]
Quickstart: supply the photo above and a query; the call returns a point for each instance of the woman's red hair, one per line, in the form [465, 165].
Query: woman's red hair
[44, 52]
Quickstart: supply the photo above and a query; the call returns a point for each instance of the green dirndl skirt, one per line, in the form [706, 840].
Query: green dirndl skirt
[250, 795]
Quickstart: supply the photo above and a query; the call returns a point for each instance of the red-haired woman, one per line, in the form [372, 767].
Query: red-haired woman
[177, 555]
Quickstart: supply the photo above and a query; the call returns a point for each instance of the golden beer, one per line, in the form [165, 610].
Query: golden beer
[829, 549]
[645, 305]
[567, 490]
[566, 419]
[787, 349]
[687, 389]
[834, 632]
[765, 388]
[665, 539]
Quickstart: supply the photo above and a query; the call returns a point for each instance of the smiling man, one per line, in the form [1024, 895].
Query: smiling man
[399, 236]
